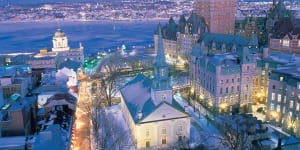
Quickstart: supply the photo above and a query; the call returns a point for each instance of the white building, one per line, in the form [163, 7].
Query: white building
[155, 119]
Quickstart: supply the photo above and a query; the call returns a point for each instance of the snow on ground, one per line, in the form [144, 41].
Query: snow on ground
[115, 114]
[202, 131]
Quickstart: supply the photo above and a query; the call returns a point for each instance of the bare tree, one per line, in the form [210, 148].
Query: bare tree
[107, 73]
[235, 137]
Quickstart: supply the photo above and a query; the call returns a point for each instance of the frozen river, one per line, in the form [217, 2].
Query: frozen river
[95, 36]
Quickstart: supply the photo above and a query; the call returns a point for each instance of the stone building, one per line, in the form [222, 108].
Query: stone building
[154, 117]
[222, 82]
[283, 107]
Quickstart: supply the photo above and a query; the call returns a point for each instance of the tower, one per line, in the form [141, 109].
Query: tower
[60, 41]
[219, 15]
[161, 89]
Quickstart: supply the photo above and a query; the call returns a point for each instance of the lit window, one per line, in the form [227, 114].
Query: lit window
[298, 107]
[221, 90]
[283, 109]
[279, 98]
[299, 43]
[273, 96]
[246, 97]
[284, 99]
[291, 104]
[246, 87]
[227, 90]
[281, 78]
[278, 108]
[292, 94]
[164, 140]
[272, 106]
[286, 43]
[299, 96]
[247, 79]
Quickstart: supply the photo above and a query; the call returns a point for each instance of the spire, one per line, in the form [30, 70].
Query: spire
[160, 54]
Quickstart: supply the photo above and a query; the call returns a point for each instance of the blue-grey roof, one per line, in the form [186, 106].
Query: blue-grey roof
[219, 39]
[137, 97]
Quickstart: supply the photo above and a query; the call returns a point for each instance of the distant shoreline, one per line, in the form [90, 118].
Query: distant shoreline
[45, 21]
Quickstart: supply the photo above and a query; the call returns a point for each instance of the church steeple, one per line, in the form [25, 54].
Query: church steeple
[161, 79]
[160, 59]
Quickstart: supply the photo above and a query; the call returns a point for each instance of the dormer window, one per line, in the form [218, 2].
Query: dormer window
[163, 97]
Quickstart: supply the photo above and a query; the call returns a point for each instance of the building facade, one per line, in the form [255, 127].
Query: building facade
[154, 117]
[283, 107]
[222, 82]
[219, 15]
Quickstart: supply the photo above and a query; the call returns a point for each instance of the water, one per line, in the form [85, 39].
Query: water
[95, 36]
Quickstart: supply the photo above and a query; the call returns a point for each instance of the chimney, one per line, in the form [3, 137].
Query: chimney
[266, 53]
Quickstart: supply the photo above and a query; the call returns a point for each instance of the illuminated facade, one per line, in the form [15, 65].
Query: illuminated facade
[222, 81]
[219, 15]
[283, 107]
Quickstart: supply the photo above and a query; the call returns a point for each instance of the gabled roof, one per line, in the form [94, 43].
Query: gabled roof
[283, 27]
[137, 97]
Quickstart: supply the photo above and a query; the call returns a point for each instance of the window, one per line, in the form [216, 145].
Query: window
[291, 104]
[279, 98]
[232, 80]
[246, 87]
[281, 78]
[180, 128]
[227, 90]
[273, 96]
[247, 68]
[299, 96]
[272, 106]
[274, 87]
[221, 81]
[237, 98]
[220, 100]
[232, 89]
[283, 109]
[231, 99]
[164, 131]
[298, 107]
[284, 99]
[292, 94]
[147, 143]
[226, 99]
[163, 97]
[162, 72]
[147, 132]
[246, 97]
[164, 140]
[263, 72]
[238, 80]
[286, 43]
[298, 43]
[227, 81]
[247, 79]
[238, 88]
[221, 90]
[278, 108]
